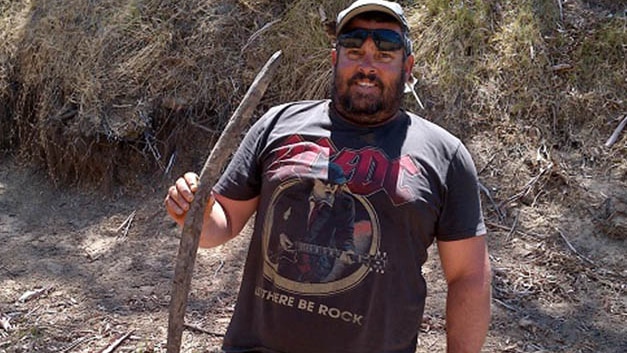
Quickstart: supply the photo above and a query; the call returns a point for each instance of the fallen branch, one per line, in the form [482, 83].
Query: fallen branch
[573, 248]
[529, 185]
[200, 329]
[487, 164]
[513, 230]
[116, 343]
[76, 343]
[507, 306]
[32, 294]
[127, 224]
[506, 228]
[612, 140]
[486, 191]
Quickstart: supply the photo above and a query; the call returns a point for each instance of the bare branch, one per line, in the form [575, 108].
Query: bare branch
[573, 248]
[612, 140]
[116, 343]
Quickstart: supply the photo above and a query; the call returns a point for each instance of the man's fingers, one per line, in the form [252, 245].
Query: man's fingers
[180, 196]
[192, 180]
[184, 191]
[172, 207]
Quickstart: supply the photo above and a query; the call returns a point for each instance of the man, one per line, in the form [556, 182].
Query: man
[411, 183]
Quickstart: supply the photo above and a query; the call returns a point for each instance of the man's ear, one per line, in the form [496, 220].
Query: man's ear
[409, 65]
[333, 56]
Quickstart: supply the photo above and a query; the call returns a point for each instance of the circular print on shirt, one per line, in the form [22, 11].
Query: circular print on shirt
[319, 238]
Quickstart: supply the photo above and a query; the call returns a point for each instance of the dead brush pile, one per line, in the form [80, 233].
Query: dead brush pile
[536, 88]
[103, 91]
[100, 89]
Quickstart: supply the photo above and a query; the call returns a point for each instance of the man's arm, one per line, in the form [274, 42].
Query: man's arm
[467, 270]
[223, 218]
[226, 220]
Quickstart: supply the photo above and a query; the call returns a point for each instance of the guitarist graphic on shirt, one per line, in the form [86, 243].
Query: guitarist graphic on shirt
[320, 252]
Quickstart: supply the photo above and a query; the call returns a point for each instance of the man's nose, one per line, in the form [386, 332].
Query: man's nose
[366, 64]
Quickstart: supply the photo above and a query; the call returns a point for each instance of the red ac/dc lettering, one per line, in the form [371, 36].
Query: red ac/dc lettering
[370, 171]
[297, 157]
[367, 171]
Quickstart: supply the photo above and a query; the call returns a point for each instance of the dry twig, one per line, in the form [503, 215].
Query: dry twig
[76, 343]
[116, 343]
[529, 186]
[215, 273]
[32, 294]
[171, 161]
[9, 272]
[513, 226]
[486, 191]
[612, 140]
[561, 67]
[200, 329]
[573, 248]
[126, 224]
[506, 228]
[507, 306]
[487, 164]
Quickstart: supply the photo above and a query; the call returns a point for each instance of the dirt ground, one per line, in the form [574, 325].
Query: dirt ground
[80, 271]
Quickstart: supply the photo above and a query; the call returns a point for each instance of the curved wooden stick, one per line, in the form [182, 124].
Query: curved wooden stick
[220, 153]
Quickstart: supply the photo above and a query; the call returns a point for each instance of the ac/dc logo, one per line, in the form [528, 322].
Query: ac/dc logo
[368, 170]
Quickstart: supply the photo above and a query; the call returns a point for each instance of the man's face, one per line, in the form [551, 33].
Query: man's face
[368, 83]
[324, 191]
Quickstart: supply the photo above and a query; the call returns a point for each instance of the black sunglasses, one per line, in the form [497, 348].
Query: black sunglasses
[384, 39]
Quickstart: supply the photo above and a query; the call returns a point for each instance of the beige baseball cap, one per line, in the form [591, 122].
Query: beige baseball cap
[360, 6]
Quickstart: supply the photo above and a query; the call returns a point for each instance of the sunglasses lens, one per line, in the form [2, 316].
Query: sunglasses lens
[387, 40]
[353, 39]
[384, 39]
[351, 42]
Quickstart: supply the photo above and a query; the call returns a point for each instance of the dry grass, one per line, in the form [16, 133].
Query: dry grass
[87, 92]
[103, 80]
[529, 85]
[129, 78]
[117, 83]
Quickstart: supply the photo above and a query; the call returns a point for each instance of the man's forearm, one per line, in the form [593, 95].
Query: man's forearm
[468, 314]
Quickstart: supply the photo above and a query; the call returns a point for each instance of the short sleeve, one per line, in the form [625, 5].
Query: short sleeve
[241, 179]
[461, 215]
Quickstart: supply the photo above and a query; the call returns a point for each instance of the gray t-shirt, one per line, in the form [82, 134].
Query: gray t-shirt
[346, 215]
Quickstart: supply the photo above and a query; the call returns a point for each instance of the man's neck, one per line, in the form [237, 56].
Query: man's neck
[362, 120]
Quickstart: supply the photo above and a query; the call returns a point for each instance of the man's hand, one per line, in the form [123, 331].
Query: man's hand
[348, 257]
[180, 196]
[285, 242]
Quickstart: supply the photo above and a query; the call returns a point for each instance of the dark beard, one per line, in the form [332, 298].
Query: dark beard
[378, 109]
[375, 104]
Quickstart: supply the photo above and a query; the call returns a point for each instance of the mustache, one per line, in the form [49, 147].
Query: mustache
[361, 76]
